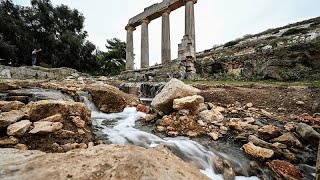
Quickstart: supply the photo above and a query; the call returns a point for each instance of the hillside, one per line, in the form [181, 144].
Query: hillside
[291, 52]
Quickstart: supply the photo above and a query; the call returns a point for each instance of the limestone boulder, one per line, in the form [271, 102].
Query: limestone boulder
[189, 102]
[46, 108]
[11, 117]
[258, 152]
[174, 89]
[307, 132]
[45, 127]
[6, 106]
[18, 128]
[269, 132]
[98, 162]
[211, 116]
[285, 170]
[110, 99]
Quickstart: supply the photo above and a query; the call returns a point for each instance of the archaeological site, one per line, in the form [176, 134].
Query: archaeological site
[245, 109]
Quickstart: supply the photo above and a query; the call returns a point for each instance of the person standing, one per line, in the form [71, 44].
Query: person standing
[34, 56]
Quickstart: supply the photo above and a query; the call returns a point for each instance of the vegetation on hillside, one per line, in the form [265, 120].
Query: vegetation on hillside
[59, 32]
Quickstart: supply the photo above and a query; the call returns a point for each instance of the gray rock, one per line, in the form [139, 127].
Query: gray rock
[307, 132]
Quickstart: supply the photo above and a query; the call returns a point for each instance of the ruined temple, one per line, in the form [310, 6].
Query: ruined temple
[183, 67]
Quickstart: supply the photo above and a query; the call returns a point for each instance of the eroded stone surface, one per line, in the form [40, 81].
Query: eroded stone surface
[19, 128]
[8, 118]
[189, 102]
[258, 152]
[99, 162]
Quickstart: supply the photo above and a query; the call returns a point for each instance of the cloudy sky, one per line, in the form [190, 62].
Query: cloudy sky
[217, 21]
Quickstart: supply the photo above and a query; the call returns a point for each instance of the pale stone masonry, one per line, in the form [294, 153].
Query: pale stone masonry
[153, 12]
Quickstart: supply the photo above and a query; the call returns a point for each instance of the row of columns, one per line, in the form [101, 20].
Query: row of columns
[165, 39]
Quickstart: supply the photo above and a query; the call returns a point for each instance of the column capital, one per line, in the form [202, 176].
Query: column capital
[130, 28]
[167, 11]
[194, 1]
[147, 21]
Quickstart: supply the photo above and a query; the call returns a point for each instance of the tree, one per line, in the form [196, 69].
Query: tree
[113, 61]
[57, 30]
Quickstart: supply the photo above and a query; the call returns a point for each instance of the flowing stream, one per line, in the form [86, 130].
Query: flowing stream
[120, 129]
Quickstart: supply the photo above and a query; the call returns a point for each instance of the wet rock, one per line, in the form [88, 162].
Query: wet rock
[18, 128]
[44, 127]
[143, 108]
[258, 152]
[8, 141]
[99, 162]
[110, 99]
[228, 173]
[261, 143]
[77, 121]
[54, 118]
[289, 155]
[307, 132]
[269, 132]
[6, 106]
[211, 116]
[174, 89]
[189, 102]
[288, 139]
[284, 170]
[306, 118]
[8, 118]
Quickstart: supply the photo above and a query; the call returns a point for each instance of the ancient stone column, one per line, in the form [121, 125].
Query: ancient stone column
[189, 21]
[145, 44]
[165, 44]
[129, 48]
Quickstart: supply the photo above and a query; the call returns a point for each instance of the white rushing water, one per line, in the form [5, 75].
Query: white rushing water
[123, 131]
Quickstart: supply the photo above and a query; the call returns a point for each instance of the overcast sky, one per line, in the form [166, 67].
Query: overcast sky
[217, 21]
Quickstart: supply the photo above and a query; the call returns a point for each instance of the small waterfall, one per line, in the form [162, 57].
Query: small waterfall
[146, 91]
[120, 129]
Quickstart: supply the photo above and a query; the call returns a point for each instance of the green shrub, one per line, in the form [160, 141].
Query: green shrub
[231, 43]
[293, 31]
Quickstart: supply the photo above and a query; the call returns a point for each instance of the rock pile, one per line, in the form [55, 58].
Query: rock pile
[48, 125]
[184, 113]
